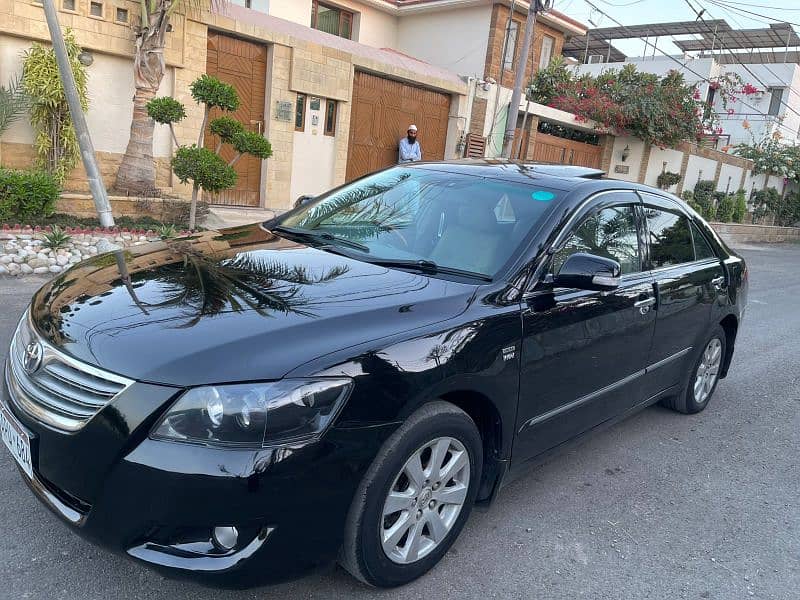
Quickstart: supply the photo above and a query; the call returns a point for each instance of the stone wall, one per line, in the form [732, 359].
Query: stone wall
[736, 234]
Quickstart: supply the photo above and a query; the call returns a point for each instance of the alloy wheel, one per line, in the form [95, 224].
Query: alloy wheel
[424, 500]
[708, 371]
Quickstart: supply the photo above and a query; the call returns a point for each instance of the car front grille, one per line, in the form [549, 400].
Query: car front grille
[61, 392]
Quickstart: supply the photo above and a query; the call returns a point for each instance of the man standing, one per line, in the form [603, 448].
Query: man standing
[410, 150]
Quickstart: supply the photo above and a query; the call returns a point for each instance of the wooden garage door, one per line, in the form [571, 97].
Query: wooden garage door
[244, 66]
[552, 149]
[382, 111]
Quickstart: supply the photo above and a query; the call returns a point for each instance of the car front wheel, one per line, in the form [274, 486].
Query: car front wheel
[415, 497]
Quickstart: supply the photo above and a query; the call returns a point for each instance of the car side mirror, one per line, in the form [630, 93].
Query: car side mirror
[589, 272]
[303, 200]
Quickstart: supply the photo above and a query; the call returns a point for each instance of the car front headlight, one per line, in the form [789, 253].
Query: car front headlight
[254, 414]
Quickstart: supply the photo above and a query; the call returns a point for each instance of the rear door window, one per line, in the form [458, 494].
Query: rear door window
[702, 249]
[670, 238]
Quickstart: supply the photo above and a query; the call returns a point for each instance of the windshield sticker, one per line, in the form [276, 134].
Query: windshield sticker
[542, 196]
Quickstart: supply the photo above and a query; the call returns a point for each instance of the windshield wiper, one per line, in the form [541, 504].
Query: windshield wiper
[309, 234]
[427, 266]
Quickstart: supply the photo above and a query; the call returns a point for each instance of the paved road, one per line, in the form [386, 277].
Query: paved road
[661, 506]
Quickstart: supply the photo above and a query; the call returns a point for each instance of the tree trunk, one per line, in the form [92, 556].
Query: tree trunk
[193, 208]
[137, 172]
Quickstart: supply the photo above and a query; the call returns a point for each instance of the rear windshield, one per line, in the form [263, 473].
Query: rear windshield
[454, 220]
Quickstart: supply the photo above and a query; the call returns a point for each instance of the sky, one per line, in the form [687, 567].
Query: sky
[635, 12]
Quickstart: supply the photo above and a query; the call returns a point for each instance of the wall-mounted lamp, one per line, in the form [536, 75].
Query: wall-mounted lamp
[626, 152]
[86, 58]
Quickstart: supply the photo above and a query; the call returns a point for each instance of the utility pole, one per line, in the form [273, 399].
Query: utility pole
[534, 7]
[96, 184]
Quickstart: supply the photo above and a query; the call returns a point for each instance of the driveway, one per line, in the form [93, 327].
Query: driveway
[660, 506]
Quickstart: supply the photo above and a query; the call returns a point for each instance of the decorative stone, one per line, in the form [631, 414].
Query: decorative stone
[5, 259]
[26, 269]
[62, 260]
[17, 258]
[75, 259]
[40, 270]
[105, 246]
[3, 270]
[42, 255]
[55, 269]
[92, 249]
[14, 267]
[22, 252]
[38, 262]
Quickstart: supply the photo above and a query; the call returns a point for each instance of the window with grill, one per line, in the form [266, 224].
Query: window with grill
[548, 43]
[68, 5]
[775, 100]
[330, 117]
[96, 9]
[122, 15]
[511, 46]
[332, 19]
[300, 113]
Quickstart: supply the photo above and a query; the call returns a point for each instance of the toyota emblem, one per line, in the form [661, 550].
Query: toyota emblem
[33, 357]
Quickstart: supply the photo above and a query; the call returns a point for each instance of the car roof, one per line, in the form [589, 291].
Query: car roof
[562, 177]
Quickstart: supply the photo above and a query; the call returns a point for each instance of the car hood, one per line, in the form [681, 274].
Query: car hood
[239, 304]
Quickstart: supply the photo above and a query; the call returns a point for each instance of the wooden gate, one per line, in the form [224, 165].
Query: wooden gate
[561, 151]
[382, 111]
[244, 66]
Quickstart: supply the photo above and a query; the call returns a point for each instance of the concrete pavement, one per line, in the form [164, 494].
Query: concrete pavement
[662, 506]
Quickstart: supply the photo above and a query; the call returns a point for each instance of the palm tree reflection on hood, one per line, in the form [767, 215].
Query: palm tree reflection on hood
[205, 285]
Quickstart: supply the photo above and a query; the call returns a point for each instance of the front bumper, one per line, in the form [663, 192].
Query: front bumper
[158, 501]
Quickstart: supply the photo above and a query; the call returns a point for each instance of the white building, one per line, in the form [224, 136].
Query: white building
[760, 57]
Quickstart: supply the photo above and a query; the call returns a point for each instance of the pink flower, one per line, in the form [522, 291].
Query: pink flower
[731, 111]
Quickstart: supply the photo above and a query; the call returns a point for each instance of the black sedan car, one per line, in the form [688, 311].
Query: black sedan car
[349, 379]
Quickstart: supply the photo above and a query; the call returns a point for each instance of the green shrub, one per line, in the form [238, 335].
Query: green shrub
[227, 128]
[704, 198]
[667, 179]
[250, 142]
[740, 207]
[214, 93]
[26, 195]
[725, 208]
[165, 110]
[203, 168]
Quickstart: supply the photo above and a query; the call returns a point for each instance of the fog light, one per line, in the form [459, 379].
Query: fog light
[225, 537]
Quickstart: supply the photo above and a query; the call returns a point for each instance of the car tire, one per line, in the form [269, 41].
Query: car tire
[368, 551]
[704, 376]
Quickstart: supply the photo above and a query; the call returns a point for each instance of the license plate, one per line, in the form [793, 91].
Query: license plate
[16, 440]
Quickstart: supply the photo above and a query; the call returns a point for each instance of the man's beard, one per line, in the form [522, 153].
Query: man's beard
[412, 139]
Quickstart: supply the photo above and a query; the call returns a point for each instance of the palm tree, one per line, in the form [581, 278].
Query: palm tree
[137, 172]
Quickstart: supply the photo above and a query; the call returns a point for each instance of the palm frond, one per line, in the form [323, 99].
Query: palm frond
[13, 102]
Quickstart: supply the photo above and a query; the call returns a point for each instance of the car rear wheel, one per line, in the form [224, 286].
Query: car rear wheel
[415, 497]
[704, 378]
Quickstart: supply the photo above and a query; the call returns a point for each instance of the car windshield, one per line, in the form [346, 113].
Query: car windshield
[434, 219]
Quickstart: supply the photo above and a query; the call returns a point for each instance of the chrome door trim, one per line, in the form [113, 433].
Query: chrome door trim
[669, 359]
[580, 401]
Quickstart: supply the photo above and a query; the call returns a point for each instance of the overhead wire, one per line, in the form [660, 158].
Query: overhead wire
[647, 42]
[743, 65]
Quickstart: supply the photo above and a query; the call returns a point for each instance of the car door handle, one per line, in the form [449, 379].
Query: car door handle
[644, 305]
[718, 282]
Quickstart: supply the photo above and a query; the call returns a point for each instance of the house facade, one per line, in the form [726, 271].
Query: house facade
[333, 108]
